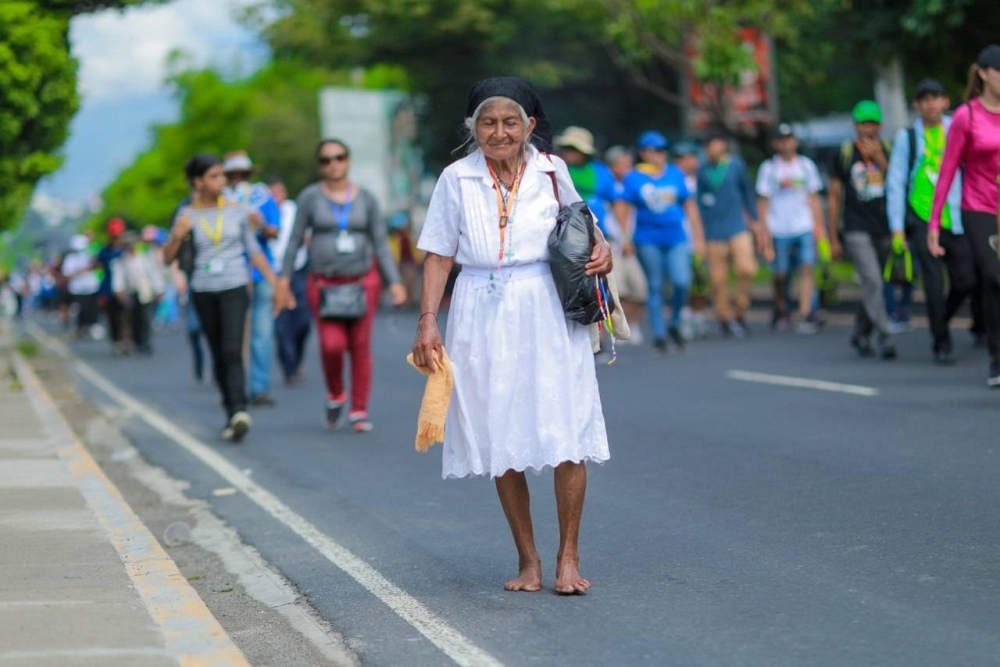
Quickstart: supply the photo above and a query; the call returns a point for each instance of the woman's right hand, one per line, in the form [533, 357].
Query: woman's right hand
[427, 346]
[934, 243]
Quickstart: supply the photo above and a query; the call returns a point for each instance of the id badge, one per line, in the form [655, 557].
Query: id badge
[345, 243]
[495, 288]
[216, 266]
[708, 200]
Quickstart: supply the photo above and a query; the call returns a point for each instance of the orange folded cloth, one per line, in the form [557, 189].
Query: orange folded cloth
[434, 406]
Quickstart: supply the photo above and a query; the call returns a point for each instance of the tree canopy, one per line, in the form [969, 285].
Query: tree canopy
[38, 95]
[37, 100]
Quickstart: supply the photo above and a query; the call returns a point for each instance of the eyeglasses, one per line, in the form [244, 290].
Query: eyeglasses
[327, 159]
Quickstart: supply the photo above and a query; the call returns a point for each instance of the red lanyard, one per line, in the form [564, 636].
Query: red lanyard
[505, 206]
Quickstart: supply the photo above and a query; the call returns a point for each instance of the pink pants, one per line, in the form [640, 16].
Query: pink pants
[355, 337]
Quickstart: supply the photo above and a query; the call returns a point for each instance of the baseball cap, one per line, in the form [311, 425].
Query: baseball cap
[116, 226]
[784, 131]
[237, 161]
[652, 139]
[578, 138]
[928, 87]
[867, 111]
[989, 57]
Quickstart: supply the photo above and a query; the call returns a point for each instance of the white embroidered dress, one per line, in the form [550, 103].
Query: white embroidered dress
[526, 394]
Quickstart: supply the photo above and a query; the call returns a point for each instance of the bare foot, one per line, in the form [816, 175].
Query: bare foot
[568, 579]
[529, 579]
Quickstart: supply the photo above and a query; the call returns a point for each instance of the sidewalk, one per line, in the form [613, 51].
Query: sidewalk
[82, 581]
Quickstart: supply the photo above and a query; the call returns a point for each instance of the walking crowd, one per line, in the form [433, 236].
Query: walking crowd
[250, 271]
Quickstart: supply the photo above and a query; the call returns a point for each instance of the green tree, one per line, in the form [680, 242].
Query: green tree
[38, 95]
[273, 114]
[37, 100]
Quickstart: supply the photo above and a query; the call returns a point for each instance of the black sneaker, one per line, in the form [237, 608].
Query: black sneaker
[886, 349]
[262, 401]
[863, 345]
[742, 323]
[943, 355]
[676, 338]
[994, 378]
[660, 346]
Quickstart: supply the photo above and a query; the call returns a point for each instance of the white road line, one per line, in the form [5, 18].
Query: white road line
[451, 642]
[804, 383]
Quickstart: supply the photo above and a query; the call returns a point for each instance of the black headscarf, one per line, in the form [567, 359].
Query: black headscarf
[521, 92]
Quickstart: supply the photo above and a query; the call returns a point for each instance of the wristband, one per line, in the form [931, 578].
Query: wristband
[423, 315]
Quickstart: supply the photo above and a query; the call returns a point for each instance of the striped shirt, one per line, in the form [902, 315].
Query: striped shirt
[223, 239]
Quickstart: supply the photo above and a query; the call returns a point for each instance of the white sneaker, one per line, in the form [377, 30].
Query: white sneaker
[237, 427]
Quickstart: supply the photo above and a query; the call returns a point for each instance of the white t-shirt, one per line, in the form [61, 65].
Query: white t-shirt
[288, 209]
[787, 186]
[84, 281]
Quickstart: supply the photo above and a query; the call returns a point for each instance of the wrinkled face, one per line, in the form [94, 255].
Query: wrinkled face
[211, 183]
[621, 167]
[868, 130]
[715, 149]
[991, 80]
[334, 162]
[931, 107]
[500, 130]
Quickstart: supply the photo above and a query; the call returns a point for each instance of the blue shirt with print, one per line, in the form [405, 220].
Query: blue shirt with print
[258, 197]
[658, 201]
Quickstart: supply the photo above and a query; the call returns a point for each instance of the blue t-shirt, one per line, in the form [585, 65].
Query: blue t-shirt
[658, 201]
[257, 196]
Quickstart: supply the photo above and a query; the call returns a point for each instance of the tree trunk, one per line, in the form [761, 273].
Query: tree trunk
[890, 93]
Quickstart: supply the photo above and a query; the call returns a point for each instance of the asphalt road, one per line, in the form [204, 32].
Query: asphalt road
[737, 523]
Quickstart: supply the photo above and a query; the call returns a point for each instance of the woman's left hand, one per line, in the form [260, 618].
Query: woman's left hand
[600, 263]
[398, 294]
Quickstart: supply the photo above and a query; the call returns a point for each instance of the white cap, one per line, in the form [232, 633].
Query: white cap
[238, 162]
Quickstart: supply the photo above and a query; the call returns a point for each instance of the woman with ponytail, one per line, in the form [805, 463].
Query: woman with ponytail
[973, 145]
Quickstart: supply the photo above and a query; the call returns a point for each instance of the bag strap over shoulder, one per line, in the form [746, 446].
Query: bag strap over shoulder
[552, 177]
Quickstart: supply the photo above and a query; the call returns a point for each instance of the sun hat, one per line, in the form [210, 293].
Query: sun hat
[576, 137]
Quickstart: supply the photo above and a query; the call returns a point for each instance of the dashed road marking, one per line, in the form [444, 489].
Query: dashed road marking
[802, 383]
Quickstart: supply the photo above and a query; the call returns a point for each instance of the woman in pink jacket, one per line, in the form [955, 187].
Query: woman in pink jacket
[973, 145]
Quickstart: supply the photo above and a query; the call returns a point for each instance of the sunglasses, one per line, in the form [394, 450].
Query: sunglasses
[327, 159]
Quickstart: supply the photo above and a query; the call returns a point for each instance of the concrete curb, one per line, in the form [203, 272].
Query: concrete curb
[191, 633]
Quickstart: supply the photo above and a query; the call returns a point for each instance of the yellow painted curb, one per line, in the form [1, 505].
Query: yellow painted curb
[192, 635]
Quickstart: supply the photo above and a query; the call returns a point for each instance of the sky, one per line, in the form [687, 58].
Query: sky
[122, 70]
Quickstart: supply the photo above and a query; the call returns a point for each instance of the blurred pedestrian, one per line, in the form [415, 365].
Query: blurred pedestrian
[728, 209]
[138, 285]
[113, 308]
[973, 144]
[656, 194]
[526, 392]
[857, 177]
[222, 237]
[291, 327]
[914, 168]
[632, 288]
[349, 258]
[239, 169]
[84, 285]
[788, 185]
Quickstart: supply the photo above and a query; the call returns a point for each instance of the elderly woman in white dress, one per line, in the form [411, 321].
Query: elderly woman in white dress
[525, 393]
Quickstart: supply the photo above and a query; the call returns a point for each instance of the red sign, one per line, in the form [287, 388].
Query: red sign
[746, 104]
